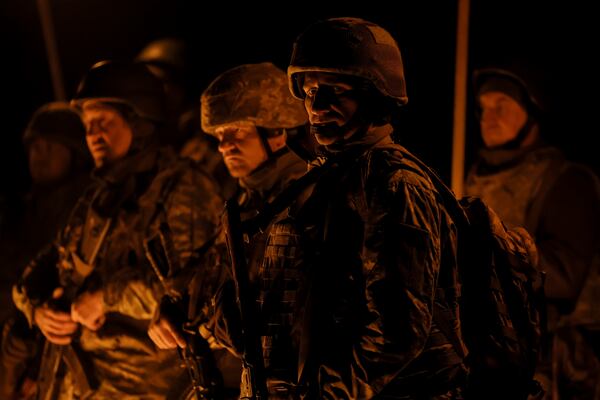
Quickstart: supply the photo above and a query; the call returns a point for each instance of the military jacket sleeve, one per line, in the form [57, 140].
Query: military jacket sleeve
[401, 261]
[568, 232]
[191, 212]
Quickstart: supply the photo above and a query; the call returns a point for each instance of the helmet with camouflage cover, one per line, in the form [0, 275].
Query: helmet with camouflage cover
[257, 93]
[349, 46]
[128, 84]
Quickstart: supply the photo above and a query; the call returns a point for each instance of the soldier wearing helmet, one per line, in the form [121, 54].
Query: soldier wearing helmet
[168, 59]
[530, 183]
[55, 143]
[366, 58]
[377, 226]
[129, 100]
[59, 165]
[138, 189]
[251, 113]
[346, 264]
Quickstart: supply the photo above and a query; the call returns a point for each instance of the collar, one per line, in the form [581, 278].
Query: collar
[360, 141]
[273, 175]
[494, 160]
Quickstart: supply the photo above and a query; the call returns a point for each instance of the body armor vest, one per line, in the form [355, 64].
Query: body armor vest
[511, 191]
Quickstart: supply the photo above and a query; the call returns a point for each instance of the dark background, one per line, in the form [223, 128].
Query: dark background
[556, 41]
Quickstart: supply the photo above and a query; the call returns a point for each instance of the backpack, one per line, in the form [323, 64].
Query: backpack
[501, 293]
[500, 305]
[501, 300]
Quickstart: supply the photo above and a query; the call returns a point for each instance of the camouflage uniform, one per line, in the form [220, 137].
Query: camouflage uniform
[255, 93]
[576, 349]
[322, 283]
[351, 269]
[557, 202]
[535, 188]
[168, 58]
[33, 225]
[46, 207]
[124, 359]
[127, 203]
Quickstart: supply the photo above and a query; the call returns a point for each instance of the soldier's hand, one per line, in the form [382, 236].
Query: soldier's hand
[164, 333]
[56, 326]
[88, 310]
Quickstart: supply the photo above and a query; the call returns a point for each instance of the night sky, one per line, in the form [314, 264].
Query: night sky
[557, 42]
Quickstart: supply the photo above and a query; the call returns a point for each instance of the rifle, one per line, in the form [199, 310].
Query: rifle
[52, 357]
[206, 379]
[54, 354]
[253, 385]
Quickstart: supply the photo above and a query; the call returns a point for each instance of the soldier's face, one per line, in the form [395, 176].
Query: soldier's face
[108, 134]
[49, 161]
[241, 147]
[332, 103]
[501, 118]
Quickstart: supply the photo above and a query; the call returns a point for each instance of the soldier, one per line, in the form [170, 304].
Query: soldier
[98, 261]
[378, 246]
[168, 59]
[359, 261]
[59, 168]
[531, 184]
[251, 113]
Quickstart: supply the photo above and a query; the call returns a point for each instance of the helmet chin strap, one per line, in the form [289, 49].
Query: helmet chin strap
[263, 134]
[516, 142]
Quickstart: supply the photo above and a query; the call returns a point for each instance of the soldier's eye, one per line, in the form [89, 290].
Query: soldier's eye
[96, 124]
[311, 92]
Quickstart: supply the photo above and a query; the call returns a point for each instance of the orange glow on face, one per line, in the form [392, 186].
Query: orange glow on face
[501, 118]
[108, 135]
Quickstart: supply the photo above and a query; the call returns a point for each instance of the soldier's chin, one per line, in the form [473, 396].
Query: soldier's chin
[237, 169]
[100, 161]
[327, 133]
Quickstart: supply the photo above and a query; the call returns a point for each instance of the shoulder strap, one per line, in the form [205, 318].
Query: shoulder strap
[448, 197]
[284, 199]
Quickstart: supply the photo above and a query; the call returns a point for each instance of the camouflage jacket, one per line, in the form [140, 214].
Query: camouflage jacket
[221, 312]
[348, 279]
[557, 201]
[129, 205]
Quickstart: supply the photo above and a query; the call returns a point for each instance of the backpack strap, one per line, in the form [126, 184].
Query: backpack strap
[259, 222]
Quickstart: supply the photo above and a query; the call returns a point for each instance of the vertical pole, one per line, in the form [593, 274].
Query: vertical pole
[51, 49]
[460, 97]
